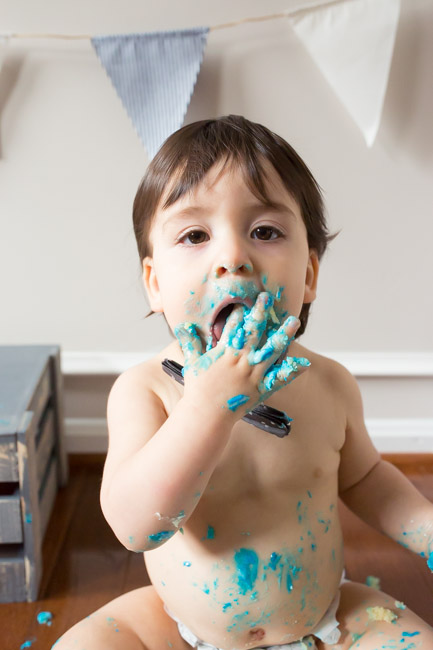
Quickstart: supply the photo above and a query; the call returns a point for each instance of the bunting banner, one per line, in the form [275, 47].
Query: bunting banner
[352, 44]
[154, 75]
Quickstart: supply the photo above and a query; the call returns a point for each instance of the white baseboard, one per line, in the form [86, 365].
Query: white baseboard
[86, 435]
[360, 364]
[89, 435]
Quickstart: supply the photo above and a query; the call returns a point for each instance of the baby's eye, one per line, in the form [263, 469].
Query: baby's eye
[194, 237]
[265, 233]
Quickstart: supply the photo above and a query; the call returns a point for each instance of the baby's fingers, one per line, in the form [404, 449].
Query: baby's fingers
[189, 341]
[255, 322]
[233, 333]
[277, 343]
[284, 373]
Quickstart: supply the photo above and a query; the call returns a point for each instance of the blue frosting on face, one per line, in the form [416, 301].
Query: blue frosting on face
[240, 290]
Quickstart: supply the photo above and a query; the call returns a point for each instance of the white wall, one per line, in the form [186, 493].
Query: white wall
[70, 163]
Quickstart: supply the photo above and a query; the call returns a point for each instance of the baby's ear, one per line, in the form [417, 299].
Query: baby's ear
[151, 285]
[311, 277]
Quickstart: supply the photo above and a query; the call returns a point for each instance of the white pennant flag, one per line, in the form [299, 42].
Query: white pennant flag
[3, 42]
[352, 43]
[154, 75]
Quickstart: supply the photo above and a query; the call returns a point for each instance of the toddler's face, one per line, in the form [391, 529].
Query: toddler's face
[220, 245]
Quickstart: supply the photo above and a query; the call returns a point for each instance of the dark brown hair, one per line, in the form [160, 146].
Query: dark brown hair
[187, 155]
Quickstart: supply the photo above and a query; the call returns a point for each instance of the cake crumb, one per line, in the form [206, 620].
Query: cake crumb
[381, 614]
[373, 582]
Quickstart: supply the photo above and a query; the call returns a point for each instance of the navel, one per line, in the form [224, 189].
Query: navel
[257, 633]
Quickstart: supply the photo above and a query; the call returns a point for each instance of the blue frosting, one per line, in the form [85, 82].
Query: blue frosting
[234, 402]
[163, 536]
[44, 618]
[247, 563]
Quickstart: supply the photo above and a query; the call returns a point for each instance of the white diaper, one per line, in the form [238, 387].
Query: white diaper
[326, 630]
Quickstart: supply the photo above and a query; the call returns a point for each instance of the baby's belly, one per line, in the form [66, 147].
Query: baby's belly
[246, 588]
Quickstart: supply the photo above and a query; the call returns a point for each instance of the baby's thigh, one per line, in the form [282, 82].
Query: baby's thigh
[134, 621]
[361, 629]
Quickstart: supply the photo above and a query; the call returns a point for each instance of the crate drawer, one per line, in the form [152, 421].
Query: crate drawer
[11, 529]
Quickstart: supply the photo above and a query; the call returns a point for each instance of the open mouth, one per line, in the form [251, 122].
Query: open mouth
[219, 323]
[221, 316]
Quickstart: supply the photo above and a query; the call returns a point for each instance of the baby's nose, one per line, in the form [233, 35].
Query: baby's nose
[230, 267]
[232, 256]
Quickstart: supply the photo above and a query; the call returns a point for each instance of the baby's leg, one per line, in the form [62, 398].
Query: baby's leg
[135, 621]
[360, 629]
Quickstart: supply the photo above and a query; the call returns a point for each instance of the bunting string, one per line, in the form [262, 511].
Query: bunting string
[253, 19]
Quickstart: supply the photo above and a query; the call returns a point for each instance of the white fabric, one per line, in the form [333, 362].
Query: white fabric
[352, 43]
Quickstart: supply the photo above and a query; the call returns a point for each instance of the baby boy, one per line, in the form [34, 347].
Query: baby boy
[240, 528]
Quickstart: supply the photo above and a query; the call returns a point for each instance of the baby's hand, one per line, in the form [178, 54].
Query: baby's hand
[237, 374]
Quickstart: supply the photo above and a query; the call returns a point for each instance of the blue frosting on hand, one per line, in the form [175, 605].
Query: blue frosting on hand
[234, 402]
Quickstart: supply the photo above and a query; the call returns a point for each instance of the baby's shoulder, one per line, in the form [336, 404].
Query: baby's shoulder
[142, 378]
[145, 383]
[331, 374]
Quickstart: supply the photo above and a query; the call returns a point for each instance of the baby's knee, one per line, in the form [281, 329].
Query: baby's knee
[89, 634]
[69, 639]
[99, 632]
[368, 617]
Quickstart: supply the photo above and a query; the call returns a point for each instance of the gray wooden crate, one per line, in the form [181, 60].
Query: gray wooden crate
[32, 462]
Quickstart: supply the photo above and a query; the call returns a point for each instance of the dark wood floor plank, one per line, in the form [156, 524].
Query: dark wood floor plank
[85, 566]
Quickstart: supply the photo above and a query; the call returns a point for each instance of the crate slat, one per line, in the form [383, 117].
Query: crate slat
[48, 495]
[8, 459]
[45, 444]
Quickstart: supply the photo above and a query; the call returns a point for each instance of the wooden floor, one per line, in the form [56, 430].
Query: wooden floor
[85, 566]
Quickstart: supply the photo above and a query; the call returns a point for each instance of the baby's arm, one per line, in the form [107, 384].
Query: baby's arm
[375, 490]
[157, 466]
